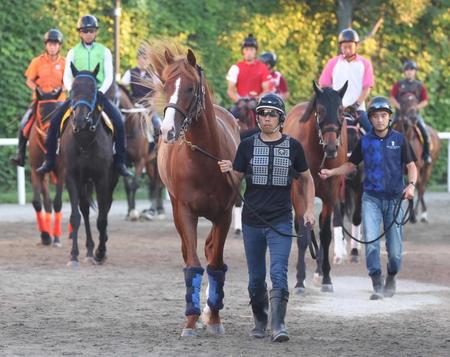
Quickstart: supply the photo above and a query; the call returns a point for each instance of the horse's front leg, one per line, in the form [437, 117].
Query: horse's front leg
[186, 225]
[303, 239]
[75, 218]
[84, 207]
[216, 270]
[340, 249]
[37, 182]
[325, 240]
[104, 200]
[356, 225]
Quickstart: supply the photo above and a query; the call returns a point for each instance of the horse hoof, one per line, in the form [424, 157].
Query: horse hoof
[161, 216]
[338, 260]
[317, 279]
[100, 260]
[133, 216]
[189, 332]
[90, 260]
[45, 238]
[57, 242]
[73, 264]
[327, 288]
[215, 329]
[354, 259]
[299, 290]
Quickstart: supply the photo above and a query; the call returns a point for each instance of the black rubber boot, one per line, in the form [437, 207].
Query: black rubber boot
[377, 283]
[259, 300]
[46, 167]
[426, 141]
[389, 286]
[278, 303]
[19, 159]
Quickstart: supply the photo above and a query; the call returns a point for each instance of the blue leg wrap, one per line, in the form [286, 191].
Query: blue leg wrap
[216, 280]
[193, 279]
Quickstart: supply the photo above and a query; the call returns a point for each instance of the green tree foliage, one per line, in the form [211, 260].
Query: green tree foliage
[302, 33]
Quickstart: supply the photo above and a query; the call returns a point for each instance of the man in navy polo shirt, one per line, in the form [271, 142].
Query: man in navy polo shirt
[385, 153]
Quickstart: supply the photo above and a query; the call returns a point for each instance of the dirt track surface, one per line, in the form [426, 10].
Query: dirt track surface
[133, 305]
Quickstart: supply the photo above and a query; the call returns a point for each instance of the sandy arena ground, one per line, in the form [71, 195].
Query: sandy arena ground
[133, 305]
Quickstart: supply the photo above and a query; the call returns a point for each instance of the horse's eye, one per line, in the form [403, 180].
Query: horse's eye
[190, 89]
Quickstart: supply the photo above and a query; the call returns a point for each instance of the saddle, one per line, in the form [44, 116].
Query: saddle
[104, 118]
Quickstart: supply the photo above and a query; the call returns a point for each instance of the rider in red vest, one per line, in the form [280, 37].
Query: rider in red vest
[249, 77]
[45, 73]
[278, 83]
[411, 85]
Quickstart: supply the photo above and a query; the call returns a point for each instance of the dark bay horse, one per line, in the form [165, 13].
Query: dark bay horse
[86, 161]
[46, 105]
[196, 186]
[406, 123]
[141, 155]
[321, 129]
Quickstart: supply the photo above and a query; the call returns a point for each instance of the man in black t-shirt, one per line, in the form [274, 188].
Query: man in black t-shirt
[269, 161]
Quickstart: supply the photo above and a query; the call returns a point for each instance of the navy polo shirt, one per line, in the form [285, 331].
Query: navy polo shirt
[384, 163]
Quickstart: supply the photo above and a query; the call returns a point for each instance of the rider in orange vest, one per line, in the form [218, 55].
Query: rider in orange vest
[45, 73]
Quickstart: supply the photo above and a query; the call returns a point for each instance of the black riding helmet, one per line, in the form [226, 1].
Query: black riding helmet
[87, 21]
[269, 58]
[53, 35]
[348, 35]
[409, 65]
[377, 104]
[249, 41]
[271, 101]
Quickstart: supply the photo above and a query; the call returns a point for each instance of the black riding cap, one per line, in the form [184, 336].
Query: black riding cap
[271, 101]
[53, 35]
[409, 65]
[87, 21]
[348, 35]
[269, 58]
[249, 41]
[378, 104]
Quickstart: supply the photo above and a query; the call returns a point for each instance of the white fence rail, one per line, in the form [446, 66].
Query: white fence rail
[21, 171]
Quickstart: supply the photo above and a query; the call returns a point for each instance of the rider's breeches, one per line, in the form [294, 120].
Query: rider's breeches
[256, 241]
[364, 120]
[119, 131]
[378, 212]
[51, 142]
[193, 279]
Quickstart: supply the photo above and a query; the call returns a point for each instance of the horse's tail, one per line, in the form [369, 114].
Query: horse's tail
[86, 193]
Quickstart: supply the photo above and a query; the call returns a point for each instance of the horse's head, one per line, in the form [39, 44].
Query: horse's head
[83, 100]
[47, 102]
[408, 109]
[184, 91]
[329, 117]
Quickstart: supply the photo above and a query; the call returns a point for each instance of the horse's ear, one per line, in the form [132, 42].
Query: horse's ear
[73, 69]
[168, 56]
[191, 58]
[343, 89]
[96, 69]
[317, 89]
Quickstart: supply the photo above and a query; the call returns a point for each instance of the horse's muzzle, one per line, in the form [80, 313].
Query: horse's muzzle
[331, 151]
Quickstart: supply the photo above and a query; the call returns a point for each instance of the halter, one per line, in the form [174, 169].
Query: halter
[336, 129]
[90, 104]
[195, 107]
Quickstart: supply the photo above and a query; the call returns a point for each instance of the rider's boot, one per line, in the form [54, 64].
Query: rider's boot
[426, 141]
[259, 300]
[19, 159]
[278, 303]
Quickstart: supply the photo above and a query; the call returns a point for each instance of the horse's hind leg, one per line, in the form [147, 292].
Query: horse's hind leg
[216, 270]
[131, 186]
[340, 249]
[37, 183]
[57, 206]
[47, 205]
[356, 228]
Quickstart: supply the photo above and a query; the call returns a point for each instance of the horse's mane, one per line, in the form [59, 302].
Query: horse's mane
[162, 71]
[124, 90]
[309, 109]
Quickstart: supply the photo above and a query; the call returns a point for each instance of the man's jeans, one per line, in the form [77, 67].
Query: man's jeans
[378, 212]
[256, 241]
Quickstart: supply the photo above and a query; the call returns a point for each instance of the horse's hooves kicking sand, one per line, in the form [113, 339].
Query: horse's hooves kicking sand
[46, 239]
[73, 264]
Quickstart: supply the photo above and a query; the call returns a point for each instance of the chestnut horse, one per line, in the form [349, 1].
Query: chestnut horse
[321, 129]
[46, 105]
[86, 161]
[195, 184]
[141, 154]
[406, 123]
